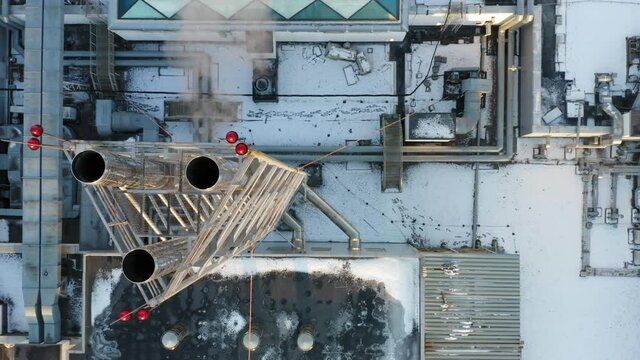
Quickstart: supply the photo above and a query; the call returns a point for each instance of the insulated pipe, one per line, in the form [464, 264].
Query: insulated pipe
[148, 263]
[108, 169]
[500, 112]
[298, 231]
[375, 149]
[512, 77]
[205, 173]
[616, 120]
[472, 89]
[334, 216]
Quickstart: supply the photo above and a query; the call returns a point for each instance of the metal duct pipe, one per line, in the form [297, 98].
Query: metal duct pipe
[603, 88]
[298, 231]
[107, 169]
[334, 216]
[376, 149]
[153, 261]
[512, 65]
[205, 173]
[616, 121]
[472, 89]
[500, 111]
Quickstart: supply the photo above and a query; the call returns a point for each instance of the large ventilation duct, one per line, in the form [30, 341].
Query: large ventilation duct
[107, 169]
[473, 89]
[153, 261]
[205, 173]
[603, 89]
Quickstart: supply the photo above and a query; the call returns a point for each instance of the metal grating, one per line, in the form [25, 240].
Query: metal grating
[392, 153]
[101, 46]
[471, 306]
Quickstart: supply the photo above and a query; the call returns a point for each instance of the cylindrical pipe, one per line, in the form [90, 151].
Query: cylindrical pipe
[376, 149]
[91, 167]
[297, 229]
[148, 263]
[206, 173]
[334, 216]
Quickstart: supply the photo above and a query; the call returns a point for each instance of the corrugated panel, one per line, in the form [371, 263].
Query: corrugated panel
[471, 306]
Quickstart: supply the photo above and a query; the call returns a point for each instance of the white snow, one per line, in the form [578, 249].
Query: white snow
[231, 322]
[11, 291]
[103, 286]
[73, 288]
[431, 129]
[234, 323]
[595, 38]
[399, 275]
[287, 323]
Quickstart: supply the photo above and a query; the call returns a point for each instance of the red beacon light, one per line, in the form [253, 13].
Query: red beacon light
[232, 137]
[125, 315]
[37, 130]
[33, 144]
[242, 149]
[143, 314]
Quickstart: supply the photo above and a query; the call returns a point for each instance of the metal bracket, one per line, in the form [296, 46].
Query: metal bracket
[594, 212]
[611, 216]
[635, 216]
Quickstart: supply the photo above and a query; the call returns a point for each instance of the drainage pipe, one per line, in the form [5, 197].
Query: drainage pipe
[333, 215]
[298, 231]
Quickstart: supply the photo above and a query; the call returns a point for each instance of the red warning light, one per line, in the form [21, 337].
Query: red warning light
[33, 144]
[232, 137]
[36, 130]
[125, 315]
[143, 314]
[242, 149]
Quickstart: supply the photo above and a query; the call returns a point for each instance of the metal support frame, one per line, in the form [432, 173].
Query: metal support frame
[217, 223]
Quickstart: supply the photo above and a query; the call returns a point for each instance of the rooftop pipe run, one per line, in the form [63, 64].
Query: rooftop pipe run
[373, 153]
[333, 215]
[437, 153]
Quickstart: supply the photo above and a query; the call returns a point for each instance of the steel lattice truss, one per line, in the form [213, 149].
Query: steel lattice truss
[215, 225]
